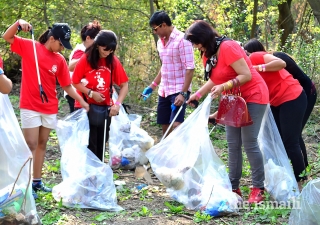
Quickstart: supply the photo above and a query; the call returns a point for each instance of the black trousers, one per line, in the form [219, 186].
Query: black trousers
[96, 137]
[71, 103]
[288, 117]
[312, 98]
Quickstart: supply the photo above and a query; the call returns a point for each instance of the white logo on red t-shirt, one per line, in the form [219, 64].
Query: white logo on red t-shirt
[101, 82]
[53, 69]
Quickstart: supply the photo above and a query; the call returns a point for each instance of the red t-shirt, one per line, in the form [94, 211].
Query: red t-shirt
[255, 90]
[282, 86]
[52, 65]
[99, 79]
[76, 54]
[1, 63]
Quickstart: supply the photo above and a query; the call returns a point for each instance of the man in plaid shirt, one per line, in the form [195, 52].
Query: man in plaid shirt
[175, 75]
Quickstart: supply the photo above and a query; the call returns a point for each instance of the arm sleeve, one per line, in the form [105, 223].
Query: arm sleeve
[79, 70]
[186, 54]
[231, 51]
[119, 75]
[77, 54]
[18, 45]
[63, 73]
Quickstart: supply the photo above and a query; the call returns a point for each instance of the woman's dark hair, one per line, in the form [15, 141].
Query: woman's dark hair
[107, 39]
[91, 30]
[160, 17]
[200, 32]
[253, 45]
[46, 35]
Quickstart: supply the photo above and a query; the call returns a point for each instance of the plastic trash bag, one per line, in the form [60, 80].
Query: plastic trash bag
[306, 208]
[87, 182]
[127, 141]
[279, 181]
[14, 153]
[186, 163]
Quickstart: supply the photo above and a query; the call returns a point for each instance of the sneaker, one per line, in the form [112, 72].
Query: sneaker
[237, 191]
[256, 195]
[34, 194]
[41, 187]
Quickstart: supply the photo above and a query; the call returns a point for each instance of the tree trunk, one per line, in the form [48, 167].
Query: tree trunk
[285, 21]
[315, 6]
[155, 37]
[254, 20]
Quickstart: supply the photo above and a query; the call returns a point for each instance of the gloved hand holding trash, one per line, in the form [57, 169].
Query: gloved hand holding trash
[146, 93]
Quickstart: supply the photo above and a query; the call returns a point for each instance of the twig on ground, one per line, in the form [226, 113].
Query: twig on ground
[223, 221]
[185, 216]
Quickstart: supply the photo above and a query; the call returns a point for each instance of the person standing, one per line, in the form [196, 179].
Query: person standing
[226, 64]
[87, 34]
[288, 103]
[175, 76]
[38, 116]
[93, 76]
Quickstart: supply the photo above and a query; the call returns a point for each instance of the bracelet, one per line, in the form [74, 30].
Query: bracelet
[260, 67]
[263, 67]
[117, 103]
[198, 94]
[1, 71]
[154, 84]
[224, 88]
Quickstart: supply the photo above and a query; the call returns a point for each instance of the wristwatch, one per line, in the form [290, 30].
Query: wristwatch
[184, 94]
[90, 93]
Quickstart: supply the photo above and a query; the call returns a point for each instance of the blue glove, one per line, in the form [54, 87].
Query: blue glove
[146, 93]
[173, 107]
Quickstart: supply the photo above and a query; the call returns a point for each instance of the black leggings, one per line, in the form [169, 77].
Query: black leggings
[288, 117]
[96, 139]
[71, 103]
[312, 98]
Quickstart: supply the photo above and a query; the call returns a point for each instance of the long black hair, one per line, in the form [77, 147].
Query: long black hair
[253, 45]
[107, 39]
[200, 32]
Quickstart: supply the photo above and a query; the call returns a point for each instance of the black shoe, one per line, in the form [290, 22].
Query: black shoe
[41, 187]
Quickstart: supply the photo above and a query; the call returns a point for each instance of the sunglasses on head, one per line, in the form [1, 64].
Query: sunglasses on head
[155, 28]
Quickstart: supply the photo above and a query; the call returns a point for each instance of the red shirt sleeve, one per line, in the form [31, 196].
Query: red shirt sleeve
[1, 63]
[63, 73]
[77, 54]
[79, 70]
[119, 75]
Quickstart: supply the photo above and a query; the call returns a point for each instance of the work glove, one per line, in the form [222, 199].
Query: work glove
[147, 92]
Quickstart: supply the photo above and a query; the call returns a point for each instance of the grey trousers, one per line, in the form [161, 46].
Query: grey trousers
[248, 137]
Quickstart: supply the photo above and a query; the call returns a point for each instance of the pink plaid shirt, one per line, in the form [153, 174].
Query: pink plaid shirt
[176, 57]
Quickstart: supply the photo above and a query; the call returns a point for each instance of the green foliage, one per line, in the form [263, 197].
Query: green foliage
[144, 212]
[175, 207]
[104, 216]
[200, 217]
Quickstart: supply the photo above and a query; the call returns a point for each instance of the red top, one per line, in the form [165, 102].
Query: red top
[1, 63]
[255, 90]
[99, 79]
[282, 86]
[52, 65]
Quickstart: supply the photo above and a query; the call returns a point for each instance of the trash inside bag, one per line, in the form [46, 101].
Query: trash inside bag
[128, 143]
[280, 181]
[16, 201]
[87, 182]
[186, 163]
[306, 208]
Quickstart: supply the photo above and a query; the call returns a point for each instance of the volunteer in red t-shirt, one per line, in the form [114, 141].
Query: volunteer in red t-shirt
[87, 34]
[232, 62]
[288, 103]
[37, 117]
[92, 77]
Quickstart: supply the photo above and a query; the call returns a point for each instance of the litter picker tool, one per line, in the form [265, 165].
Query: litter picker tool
[104, 134]
[43, 95]
[196, 103]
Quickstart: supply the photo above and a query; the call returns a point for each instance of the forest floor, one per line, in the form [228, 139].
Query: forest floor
[148, 206]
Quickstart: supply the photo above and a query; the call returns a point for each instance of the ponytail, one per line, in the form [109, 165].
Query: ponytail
[44, 37]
